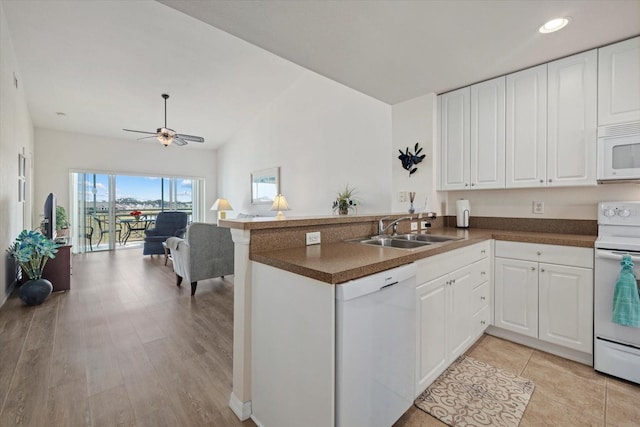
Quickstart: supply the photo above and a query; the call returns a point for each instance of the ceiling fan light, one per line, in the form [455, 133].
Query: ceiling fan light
[165, 136]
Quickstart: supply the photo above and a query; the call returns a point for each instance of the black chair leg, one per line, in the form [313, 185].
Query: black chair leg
[194, 285]
[178, 280]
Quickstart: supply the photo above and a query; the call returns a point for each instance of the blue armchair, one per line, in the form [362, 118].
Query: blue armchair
[168, 224]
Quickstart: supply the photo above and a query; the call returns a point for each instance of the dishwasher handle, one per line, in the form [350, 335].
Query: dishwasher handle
[390, 284]
[376, 282]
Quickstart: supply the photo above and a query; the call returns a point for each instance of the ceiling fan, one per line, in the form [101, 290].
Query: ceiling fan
[165, 135]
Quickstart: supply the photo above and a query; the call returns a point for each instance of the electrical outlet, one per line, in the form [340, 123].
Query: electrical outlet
[404, 196]
[313, 238]
[414, 226]
[425, 224]
[538, 207]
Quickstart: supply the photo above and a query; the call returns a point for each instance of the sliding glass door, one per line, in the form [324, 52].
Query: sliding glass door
[112, 211]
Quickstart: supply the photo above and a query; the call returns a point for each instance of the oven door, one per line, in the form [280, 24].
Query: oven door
[607, 270]
[619, 157]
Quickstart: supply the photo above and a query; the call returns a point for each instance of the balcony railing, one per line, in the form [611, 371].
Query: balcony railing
[128, 231]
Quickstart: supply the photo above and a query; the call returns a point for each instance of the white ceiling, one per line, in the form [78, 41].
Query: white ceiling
[105, 63]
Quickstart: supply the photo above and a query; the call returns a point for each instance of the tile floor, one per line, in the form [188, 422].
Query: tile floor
[567, 393]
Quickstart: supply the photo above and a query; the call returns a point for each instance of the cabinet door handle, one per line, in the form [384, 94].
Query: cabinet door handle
[453, 281]
[482, 322]
[483, 251]
[482, 298]
[466, 185]
[550, 180]
[539, 253]
[533, 269]
[542, 270]
[482, 273]
[472, 184]
[541, 181]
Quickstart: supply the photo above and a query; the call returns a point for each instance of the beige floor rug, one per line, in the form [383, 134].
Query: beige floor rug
[473, 393]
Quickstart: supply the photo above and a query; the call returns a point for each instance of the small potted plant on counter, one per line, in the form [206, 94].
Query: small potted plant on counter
[345, 201]
[32, 250]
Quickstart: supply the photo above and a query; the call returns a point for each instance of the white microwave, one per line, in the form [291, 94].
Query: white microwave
[619, 152]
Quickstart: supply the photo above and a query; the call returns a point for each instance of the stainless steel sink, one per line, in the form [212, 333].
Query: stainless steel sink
[405, 241]
[431, 238]
[393, 243]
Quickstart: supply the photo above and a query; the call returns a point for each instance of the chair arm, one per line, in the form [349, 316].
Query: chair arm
[180, 232]
[151, 232]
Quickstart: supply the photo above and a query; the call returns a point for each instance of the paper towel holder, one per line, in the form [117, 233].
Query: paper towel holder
[463, 213]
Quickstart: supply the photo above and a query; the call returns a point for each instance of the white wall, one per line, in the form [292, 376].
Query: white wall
[414, 121]
[57, 153]
[16, 137]
[323, 136]
[566, 203]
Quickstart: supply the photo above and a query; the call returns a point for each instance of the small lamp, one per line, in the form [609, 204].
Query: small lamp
[221, 205]
[280, 204]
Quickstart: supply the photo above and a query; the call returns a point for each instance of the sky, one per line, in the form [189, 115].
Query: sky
[138, 187]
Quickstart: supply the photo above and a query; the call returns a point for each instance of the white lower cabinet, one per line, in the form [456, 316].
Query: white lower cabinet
[453, 299]
[547, 293]
[516, 296]
[566, 306]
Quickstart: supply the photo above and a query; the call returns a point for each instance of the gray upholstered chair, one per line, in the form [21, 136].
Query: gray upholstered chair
[205, 252]
[168, 224]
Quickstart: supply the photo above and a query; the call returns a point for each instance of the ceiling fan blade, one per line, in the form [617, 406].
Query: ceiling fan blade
[140, 131]
[191, 138]
[179, 141]
[145, 137]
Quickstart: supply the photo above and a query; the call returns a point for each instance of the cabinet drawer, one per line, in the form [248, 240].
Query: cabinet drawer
[480, 271]
[441, 264]
[480, 321]
[552, 254]
[480, 297]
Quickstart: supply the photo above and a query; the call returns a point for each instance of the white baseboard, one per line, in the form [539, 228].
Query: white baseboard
[240, 408]
[558, 350]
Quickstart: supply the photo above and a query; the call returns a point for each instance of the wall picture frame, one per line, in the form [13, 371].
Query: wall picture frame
[265, 186]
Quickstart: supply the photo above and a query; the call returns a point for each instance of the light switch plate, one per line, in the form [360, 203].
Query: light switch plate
[414, 226]
[313, 238]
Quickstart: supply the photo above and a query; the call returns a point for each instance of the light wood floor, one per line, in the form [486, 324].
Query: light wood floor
[124, 347]
[127, 347]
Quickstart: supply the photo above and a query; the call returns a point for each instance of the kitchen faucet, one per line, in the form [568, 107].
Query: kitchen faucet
[394, 224]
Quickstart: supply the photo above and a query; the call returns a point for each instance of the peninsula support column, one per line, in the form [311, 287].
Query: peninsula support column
[240, 400]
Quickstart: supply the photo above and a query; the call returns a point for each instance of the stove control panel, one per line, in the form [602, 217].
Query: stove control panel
[619, 213]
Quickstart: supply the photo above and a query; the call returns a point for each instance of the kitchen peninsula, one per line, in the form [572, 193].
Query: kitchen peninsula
[277, 249]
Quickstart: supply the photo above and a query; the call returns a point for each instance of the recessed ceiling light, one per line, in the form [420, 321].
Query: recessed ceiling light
[60, 113]
[554, 25]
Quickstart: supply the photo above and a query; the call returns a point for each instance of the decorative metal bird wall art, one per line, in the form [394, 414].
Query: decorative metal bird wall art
[409, 160]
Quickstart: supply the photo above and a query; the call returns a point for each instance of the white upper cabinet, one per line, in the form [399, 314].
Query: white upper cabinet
[488, 134]
[571, 115]
[472, 136]
[619, 82]
[454, 139]
[526, 124]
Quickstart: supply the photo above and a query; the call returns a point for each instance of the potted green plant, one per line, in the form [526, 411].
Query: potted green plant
[32, 250]
[345, 201]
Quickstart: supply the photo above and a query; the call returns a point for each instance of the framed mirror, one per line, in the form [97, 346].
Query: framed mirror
[265, 185]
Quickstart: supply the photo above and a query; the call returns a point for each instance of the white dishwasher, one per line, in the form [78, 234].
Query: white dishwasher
[375, 348]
